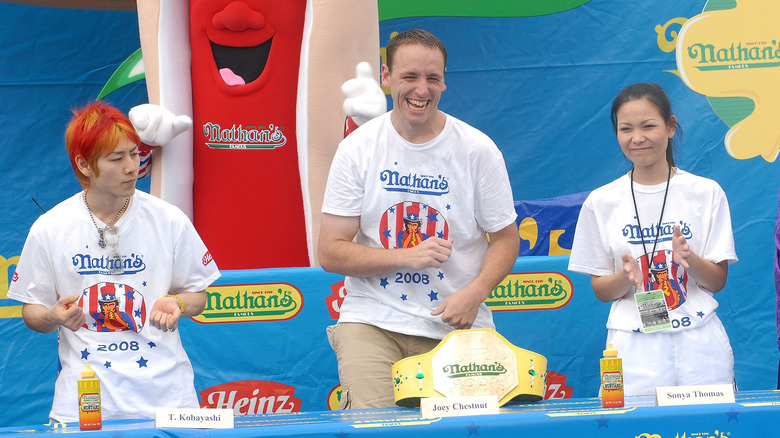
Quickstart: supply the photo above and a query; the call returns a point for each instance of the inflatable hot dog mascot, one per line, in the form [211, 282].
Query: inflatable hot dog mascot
[245, 96]
[261, 80]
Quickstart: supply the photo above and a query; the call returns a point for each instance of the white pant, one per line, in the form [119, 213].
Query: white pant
[699, 356]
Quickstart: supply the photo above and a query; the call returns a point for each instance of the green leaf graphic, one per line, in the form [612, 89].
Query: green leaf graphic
[131, 70]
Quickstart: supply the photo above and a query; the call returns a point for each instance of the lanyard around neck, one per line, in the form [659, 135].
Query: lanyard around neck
[658, 227]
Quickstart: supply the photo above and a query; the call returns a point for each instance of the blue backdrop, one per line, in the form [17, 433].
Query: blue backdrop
[540, 86]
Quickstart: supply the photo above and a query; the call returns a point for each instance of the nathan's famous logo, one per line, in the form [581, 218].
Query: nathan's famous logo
[757, 54]
[251, 397]
[89, 265]
[715, 434]
[238, 137]
[662, 233]
[251, 302]
[531, 291]
[455, 371]
[731, 53]
[394, 181]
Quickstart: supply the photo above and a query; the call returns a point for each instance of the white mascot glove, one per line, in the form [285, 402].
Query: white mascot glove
[364, 97]
[156, 125]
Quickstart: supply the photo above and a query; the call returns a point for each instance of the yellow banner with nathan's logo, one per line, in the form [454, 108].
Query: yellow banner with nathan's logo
[733, 57]
[531, 291]
[251, 302]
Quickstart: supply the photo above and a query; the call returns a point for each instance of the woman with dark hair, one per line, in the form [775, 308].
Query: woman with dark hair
[657, 243]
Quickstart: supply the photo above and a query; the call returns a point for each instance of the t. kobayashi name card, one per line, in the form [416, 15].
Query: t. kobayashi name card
[194, 418]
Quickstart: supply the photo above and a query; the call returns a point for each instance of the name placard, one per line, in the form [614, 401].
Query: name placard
[693, 395]
[194, 418]
[434, 407]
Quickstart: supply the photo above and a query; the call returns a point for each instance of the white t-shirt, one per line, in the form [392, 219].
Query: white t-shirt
[455, 187]
[607, 227]
[140, 367]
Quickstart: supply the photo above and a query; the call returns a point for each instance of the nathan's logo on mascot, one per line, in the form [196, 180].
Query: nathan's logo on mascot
[86, 264]
[531, 291]
[238, 137]
[249, 303]
[413, 183]
[455, 371]
[251, 397]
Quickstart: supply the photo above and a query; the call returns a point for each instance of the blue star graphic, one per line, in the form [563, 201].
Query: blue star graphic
[680, 279]
[440, 234]
[403, 297]
[386, 234]
[433, 217]
[391, 210]
[434, 296]
[107, 364]
[449, 207]
[94, 324]
[639, 330]
[440, 275]
[700, 314]
[383, 282]
[142, 362]
[144, 283]
[152, 344]
[602, 422]
[84, 293]
[473, 429]
[138, 313]
[732, 415]
[85, 354]
[129, 294]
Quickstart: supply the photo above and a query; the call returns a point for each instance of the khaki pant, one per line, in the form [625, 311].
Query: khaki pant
[366, 355]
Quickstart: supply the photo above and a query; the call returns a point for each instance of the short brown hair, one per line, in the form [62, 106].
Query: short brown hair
[413, 36]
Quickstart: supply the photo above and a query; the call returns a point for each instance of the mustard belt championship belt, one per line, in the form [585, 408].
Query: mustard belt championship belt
[468, 363]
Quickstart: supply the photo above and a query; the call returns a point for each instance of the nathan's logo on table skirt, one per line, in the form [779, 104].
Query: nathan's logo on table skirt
[531, 291]
[251, 397]
[251, 302]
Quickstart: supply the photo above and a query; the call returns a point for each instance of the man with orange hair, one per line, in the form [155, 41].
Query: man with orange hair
[111, 243]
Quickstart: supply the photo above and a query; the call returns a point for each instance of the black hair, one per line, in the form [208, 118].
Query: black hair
[655, 94]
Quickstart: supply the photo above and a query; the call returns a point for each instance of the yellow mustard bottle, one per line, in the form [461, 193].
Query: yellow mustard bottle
[90, 413]
[611, 379]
